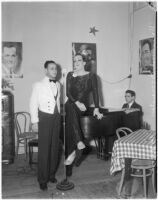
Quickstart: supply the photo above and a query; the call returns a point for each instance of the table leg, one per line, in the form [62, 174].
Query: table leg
[128, 179]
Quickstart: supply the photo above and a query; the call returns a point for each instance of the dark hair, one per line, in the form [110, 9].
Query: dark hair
[83, 57]
[16, 45]
[131, 92]
[147, 42]
[48, 62]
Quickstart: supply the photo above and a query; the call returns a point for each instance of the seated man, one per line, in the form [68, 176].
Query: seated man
[133, 120]
[133, 111]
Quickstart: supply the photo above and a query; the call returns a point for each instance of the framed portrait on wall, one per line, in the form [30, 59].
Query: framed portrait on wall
[146, 50]
[11, 59]
[88, 50]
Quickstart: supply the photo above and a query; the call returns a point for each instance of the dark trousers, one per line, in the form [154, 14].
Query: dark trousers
[48, 146]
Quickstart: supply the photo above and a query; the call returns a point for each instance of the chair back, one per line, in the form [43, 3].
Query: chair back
[123, 131]
[22, 122]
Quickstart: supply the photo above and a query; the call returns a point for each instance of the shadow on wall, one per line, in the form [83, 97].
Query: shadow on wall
[146, 125]
[59, 76]
[59, 72]
[100, 93]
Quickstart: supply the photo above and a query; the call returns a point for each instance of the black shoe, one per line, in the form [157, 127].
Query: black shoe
[78, 158]
[87, 150]
[53, 180]
[43, 186]
[69, 170]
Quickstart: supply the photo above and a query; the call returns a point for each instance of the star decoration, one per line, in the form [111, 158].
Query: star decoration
[93, 30]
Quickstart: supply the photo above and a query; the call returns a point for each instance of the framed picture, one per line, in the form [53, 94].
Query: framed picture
[11, 59]
[146, 49]
[89, 51]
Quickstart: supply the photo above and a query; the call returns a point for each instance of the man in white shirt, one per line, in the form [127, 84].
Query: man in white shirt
[45, 118]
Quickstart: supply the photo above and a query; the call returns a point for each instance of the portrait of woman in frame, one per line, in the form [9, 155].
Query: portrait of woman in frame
[88, 50]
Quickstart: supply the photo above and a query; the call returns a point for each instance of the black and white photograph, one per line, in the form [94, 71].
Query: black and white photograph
[88, 50]
[146, 56]
[11, 59]
[78, 100]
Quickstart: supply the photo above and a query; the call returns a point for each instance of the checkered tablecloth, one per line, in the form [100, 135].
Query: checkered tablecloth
[140, 144]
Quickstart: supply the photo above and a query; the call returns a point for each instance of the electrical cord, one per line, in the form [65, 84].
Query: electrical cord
[115, 82]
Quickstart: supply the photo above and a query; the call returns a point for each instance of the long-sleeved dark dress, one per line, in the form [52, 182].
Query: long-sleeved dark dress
[78, 89]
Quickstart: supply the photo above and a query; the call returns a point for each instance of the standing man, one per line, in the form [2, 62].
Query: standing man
[45, 118]
[133, 111]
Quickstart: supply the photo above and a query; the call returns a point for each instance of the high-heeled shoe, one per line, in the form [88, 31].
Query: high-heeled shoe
[70, 158]
[69, 170]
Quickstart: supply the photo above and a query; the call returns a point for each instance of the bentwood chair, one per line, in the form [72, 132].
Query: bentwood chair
[123, 131]
[141, 168]
[23, 130]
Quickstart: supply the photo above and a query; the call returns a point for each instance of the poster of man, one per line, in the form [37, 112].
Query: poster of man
[146, 47]
[11, 59]
[89, 52]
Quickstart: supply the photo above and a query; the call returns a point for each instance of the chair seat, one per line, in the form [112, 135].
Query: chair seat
[28, 135]
[33, 143]
[142, 164]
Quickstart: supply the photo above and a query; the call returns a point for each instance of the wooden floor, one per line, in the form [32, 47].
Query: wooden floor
[92, 180]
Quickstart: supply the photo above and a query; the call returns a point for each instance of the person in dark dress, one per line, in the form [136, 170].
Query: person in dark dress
[79, 85]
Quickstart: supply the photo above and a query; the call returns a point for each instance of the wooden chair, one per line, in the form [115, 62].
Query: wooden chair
[140, 167]
[123, 131]
[23, 130]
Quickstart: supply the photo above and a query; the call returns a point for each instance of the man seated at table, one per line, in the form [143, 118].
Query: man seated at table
[133, 111]
[133, 120]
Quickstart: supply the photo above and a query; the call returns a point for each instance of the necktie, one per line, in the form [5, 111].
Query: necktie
[127, 105]
[50, 80]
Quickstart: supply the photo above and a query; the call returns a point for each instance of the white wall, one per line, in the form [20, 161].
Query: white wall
[47, 31]
[144, 85]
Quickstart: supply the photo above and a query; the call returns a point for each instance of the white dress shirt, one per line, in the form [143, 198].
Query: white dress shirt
[130, 104]
[45, 96]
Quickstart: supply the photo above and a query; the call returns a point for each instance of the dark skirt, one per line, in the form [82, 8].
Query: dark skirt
[73, 132]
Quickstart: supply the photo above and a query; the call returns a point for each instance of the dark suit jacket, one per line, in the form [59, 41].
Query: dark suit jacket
[133, 120]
